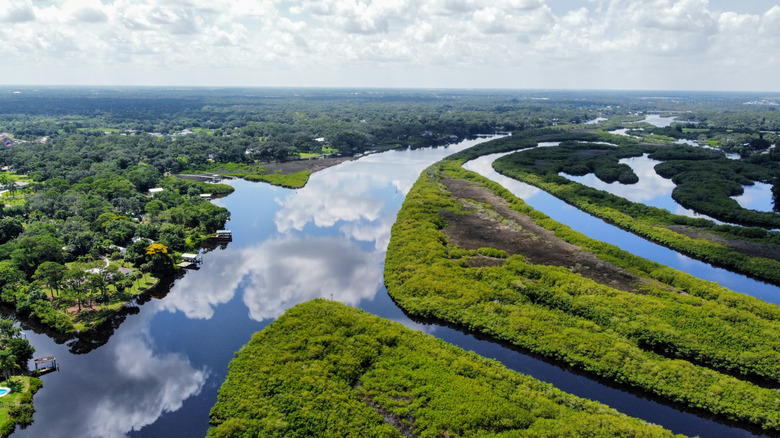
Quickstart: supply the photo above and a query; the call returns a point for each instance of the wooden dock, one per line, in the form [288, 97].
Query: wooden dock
[50, 364]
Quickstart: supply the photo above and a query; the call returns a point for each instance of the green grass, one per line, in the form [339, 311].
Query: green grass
[88, 318]
[17, 407]
[205, 130]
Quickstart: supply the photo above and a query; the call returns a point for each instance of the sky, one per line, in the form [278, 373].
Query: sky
[514, 44]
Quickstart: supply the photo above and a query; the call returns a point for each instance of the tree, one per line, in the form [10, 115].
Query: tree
[160, 259]
[173, 236]
[51, 274]
[10, 276]
[34, 250]
[20, 349]
[75, 280]
[10, 228]
[7, 362]
[136, 252]
[96, 286]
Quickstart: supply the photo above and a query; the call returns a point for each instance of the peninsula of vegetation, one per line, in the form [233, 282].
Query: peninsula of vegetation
[325, 369]
[466, 251]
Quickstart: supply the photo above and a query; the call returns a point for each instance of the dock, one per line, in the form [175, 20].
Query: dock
[224, 235]
[50, 364]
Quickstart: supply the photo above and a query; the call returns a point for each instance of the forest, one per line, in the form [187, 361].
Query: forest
[696, 237]
[325, 369]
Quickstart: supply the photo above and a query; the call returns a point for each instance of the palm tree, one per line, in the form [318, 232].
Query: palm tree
[7, 362]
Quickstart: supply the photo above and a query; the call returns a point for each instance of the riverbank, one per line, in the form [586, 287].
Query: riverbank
[647, 326]
[16, 407]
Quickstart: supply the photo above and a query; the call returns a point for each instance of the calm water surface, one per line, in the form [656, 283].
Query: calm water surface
[756, 197]
[652, 189]
[156, 372]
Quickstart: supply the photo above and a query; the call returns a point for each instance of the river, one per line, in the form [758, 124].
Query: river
[157, 371]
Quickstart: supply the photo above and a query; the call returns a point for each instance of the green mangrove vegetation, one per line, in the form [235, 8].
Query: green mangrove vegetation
[662, 331]
[699, 238]
[705, 179]
[326, 369]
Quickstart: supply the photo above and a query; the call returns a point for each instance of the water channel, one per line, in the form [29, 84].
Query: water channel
[156, 372]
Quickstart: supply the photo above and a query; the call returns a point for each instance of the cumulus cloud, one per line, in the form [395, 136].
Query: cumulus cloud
[516, 43]
[16, 11]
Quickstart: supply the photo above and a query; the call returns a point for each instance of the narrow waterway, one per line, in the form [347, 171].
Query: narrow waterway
[600, 230]
[157, 370]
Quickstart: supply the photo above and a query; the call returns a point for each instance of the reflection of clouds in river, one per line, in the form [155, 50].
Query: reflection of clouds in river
[377, 232]
[199, 292]
[651, 186]
[277, 274]
[344, 193]
[136, 387]
[332, 198]
[756, 197]
[416, 326]
[288, 272]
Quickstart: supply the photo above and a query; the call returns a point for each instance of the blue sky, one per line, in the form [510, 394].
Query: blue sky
[561, 44]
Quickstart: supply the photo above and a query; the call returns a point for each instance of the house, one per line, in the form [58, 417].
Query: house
[125, 271]
[155, 190]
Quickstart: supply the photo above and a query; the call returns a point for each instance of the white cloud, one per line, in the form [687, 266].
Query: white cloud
[16, 11]
[516, 43]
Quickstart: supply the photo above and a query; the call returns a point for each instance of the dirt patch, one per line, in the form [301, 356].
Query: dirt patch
[312, 165]
[503, 228]
[752, 249]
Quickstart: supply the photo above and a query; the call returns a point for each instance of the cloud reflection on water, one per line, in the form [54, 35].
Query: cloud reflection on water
[290, 271]
[651, 186]
[279, 273]
[122, 387]
[484, 166]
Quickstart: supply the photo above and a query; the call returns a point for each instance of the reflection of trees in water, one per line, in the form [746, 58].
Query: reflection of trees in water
[85, 342]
